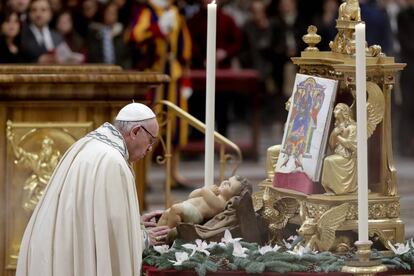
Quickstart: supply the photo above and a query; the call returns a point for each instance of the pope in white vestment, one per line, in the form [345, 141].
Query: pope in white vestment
[87, 222]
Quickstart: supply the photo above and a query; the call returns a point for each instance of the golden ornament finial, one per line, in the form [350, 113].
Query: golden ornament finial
[312, 38]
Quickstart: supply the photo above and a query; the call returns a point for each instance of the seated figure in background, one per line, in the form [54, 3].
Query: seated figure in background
[204, 203]
[339, 169]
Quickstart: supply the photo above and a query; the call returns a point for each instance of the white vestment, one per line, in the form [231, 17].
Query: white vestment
[87, 223]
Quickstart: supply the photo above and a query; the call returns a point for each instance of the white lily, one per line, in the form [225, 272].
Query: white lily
[228, 238]
[238, 250]
[268, 248]
[301, 250]
[180, 258]
[162, 248]
[200, 246]
[401, 248]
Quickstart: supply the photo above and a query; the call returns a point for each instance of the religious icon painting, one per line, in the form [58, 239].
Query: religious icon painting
[305, 134]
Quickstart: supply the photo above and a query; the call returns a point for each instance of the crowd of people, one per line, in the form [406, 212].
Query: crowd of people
[169, 36]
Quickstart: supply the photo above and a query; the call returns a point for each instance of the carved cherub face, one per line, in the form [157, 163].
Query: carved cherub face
[229, 188]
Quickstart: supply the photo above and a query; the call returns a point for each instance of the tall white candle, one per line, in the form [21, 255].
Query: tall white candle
[361, 132]
[210, 93]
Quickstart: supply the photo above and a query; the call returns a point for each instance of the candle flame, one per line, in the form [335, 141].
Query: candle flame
[213, 2]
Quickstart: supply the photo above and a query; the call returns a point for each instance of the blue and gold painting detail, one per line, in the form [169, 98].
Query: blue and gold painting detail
[306, 104]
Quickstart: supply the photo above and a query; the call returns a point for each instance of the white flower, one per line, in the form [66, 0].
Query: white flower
[238, 250]
[180, 258]
[200, 246]
[228, 238]
[162, 248]
[267, 248]
[301, 250]
[401, 248]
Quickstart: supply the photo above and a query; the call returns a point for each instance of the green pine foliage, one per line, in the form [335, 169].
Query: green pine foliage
[221, 258]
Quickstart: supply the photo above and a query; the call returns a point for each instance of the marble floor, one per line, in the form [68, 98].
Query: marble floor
[193, 170]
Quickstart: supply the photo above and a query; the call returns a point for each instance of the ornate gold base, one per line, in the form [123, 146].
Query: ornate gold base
[364, 271]
[384, 222]
[364, 266]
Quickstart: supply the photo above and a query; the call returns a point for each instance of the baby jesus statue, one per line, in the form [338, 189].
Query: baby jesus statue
[204, 203]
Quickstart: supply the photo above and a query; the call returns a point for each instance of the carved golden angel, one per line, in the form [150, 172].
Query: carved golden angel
[319, 234]
[277, 212]
[339, 174]
[40, 163]
[350, 10]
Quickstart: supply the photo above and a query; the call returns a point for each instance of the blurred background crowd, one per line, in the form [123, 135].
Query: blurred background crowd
[170, 37]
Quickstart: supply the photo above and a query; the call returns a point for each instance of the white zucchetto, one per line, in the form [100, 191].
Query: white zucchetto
[135, 112]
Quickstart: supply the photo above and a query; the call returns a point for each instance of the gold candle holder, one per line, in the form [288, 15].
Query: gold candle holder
[364, 266]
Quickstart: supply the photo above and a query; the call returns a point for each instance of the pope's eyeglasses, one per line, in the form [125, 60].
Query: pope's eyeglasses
[152, 138]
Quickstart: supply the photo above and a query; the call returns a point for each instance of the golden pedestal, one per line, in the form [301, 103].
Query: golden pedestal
[314, 213]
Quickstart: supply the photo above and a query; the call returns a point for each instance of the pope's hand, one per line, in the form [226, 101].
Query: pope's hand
[149, 219]
[158, 235]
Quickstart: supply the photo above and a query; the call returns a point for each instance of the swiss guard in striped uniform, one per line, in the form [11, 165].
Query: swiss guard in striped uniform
[162, 43]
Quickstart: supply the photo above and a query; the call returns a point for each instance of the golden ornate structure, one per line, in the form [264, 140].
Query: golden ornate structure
[330, 222]
[319, 234]
[340, 173]
[41, 165]
[35, 149]
[60, 104]
[312, 38]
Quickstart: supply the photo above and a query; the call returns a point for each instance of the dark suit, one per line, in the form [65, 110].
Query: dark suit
[31, 49]
[95, 46]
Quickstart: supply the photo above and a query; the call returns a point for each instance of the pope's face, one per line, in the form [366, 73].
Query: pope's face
[141, 139]
[229, 188]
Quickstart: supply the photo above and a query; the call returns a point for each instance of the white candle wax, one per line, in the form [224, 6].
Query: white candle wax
[210, 93]
[361, 133]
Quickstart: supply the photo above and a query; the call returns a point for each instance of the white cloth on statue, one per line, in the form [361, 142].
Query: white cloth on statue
[87, 222]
